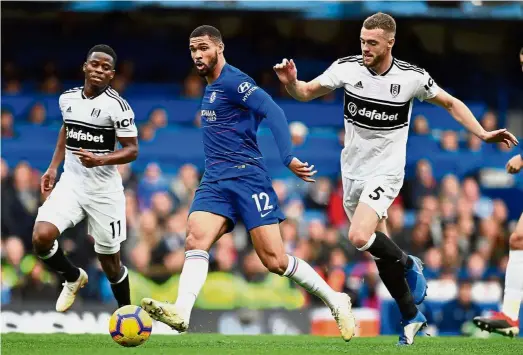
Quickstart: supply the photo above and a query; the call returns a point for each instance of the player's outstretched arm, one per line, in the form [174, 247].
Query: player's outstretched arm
[48, 179]
[263, 104]
[300, 90]
[127, 154]
[461, 113]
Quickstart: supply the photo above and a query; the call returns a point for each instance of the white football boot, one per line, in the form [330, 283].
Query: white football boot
[68, 294]
[167, 313]
[342, 313]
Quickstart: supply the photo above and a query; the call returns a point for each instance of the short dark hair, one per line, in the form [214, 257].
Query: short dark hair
[382, 21]
[206, 30]
[104, 48]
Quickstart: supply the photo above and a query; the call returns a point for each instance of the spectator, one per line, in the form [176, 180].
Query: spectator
[299, 132]
[162, 205]
[449, 141]
[129, 178]
[474, 143]
[37, 114]
[158, 118]
[433, 264]
[421, 126]
[147, 132]
[51, 85]
[489, 121]
[7, 126]
[450, 188]
[318, 194]
[193, 87]
[424, 184]
[482, 206]
[457, 312]
[153, 181]
[185, 184]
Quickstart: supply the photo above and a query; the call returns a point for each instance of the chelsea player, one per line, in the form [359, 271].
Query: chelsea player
[236, 185]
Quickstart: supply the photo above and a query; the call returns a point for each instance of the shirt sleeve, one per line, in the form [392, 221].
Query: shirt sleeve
[247, 94]
[427, 87]
[123, 119]
[332, 78]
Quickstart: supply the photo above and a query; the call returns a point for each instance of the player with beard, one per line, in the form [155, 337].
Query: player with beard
[236, 185]
[506, 322]
[379, 92]
[95, 118]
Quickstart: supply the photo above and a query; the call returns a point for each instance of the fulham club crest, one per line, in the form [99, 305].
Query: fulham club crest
[395, 89]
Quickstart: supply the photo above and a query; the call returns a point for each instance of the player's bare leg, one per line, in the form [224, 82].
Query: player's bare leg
[269, 247]
[118, 276]
[48, 250]
[203, 230]
[367, 233]
[506, 322]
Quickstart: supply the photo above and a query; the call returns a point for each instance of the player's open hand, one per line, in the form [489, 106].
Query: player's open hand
[47, 181]
[500, 136]
[515, 164]
[302, 170]
[88, 159]
[286, 71]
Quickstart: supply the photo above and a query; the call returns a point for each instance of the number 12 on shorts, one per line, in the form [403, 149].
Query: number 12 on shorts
[262, 196]
[114, 229]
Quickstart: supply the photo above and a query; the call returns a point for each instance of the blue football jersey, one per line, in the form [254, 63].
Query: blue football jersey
[229, 120]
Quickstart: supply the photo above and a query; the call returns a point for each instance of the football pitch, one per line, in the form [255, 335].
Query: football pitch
[213, 344]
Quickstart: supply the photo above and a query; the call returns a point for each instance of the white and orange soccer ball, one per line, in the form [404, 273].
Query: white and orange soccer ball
[130, 326]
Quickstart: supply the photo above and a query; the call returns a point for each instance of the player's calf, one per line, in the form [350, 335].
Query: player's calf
[48, 250]
[118, 276]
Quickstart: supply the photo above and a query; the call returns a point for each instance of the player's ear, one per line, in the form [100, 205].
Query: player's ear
[84, 67]
[391, 42]
[112, 74]
[221, 47]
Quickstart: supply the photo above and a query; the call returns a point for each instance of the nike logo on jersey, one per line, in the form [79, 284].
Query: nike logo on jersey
[265, 214]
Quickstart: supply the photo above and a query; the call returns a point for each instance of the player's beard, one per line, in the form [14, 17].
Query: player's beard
[208, 68]
[376, 60]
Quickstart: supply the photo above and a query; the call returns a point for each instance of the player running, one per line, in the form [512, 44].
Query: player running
[379, 92]
[506, 322]
[236, 185]
[95, 119]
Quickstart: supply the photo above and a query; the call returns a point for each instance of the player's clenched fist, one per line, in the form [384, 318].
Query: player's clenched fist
[286, 71]
[302, 170]
[515, 164]
[47, 181]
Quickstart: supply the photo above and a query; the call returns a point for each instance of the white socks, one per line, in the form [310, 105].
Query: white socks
[304, 275]
[513, 285]
[194, 274]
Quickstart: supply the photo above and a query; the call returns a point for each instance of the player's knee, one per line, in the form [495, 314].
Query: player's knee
[358, 238]
[44, 235]
[516, 241]
[275, 264]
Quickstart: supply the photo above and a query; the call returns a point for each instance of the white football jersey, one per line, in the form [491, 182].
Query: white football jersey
[94, 124]
[377, 110]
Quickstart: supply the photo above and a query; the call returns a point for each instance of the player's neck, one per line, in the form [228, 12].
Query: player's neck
[383, 66]
[211, 78]
[92, 91]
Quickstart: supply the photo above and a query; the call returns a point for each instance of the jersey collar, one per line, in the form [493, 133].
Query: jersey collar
[385, 72]
[94, 97]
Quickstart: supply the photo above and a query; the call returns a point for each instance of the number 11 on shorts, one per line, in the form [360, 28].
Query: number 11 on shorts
[114, 229]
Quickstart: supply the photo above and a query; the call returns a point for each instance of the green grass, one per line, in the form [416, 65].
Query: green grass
[213, 344]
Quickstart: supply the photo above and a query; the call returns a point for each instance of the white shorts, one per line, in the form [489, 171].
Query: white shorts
[67, 206]
[378, 192]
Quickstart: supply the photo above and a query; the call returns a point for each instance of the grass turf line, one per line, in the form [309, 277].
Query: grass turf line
[214, 344]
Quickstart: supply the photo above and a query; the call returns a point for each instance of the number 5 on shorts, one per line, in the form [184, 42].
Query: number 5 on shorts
[375, 195]
[114, 229]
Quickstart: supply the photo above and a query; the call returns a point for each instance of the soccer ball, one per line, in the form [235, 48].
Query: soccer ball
[130, 326]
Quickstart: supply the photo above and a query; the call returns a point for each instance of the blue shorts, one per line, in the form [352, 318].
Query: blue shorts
[249, 197]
